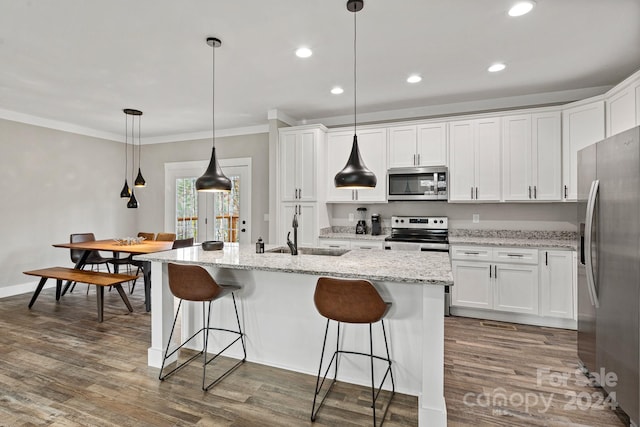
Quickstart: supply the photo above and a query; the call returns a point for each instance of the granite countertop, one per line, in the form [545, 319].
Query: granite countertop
[353, 236]
[431, 268]
[526, 239]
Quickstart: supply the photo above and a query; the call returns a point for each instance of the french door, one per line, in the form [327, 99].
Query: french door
[208, 216]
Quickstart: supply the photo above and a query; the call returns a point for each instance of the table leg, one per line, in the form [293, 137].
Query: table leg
[100, 295]
[37, 292]
[79, 265]
[58, 288]
[146, 273]
[123, 295]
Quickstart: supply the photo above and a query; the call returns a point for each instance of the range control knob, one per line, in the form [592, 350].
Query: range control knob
[441, 221]
[402, 220]
[396, 221]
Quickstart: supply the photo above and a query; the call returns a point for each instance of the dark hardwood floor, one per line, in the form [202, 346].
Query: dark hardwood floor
[60, 367]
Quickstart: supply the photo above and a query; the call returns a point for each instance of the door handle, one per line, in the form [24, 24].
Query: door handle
[535, 191]
[299, 193]
[471, 193]
[546, 258]
[516, 255]
[489, 271]
[476, 193]
[565, 191]
[414, 160]
[529, 191]
[591, 207]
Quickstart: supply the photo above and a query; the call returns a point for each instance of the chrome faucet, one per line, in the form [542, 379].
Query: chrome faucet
[293, 246]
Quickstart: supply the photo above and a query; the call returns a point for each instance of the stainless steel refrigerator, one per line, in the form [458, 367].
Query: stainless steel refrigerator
[609, 265]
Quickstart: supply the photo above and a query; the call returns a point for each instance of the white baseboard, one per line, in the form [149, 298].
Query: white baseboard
[29, 287]
[526, 319]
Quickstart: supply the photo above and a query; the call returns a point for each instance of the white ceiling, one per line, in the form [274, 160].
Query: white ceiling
[81, 62]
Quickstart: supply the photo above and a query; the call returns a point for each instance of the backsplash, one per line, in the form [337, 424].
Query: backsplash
[350, 229]
[514, 234]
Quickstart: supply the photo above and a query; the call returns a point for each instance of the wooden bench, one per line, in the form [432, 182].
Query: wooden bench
[97, 278]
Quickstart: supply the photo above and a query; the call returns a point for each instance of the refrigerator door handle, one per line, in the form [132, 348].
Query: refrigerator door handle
[591, 207]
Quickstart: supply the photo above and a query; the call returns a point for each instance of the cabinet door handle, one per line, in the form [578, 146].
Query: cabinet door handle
[529, 191]
[334, 246]
[489, 271]
[472, 193]
[565, 191]
[418, 159]
[516, 255]
[535, 191]
[414, 160]
[476, 193]
[365, 247]
[356, 193]
[546, 258]
[472, 253]
[299, 193]
[495, 271]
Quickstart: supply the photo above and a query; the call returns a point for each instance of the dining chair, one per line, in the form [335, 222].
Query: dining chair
[166, 237]
[94, 260]
[147, 236]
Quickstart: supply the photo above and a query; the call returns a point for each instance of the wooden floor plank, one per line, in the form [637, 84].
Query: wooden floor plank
[59, 367]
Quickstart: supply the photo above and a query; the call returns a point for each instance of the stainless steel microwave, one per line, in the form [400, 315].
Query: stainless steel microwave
[418, 183]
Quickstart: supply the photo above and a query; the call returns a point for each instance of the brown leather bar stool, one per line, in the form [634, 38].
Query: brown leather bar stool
[194, 283]
[351, 301]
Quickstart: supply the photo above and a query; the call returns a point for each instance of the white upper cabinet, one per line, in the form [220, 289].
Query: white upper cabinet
[299, 162]
[582, 125]
[475, 160]
[418, 145]
[532, 157]
[373, 150]
[622, 106]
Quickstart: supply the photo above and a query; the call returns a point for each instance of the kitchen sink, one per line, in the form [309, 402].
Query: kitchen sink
[310, 251]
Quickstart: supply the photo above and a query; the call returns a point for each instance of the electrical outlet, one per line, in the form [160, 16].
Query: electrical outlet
[350, 217]
[476, 218]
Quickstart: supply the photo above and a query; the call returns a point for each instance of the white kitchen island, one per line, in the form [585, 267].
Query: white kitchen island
[283, 328]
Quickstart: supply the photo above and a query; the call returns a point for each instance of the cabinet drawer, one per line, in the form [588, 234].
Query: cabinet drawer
[471, 253]
[516, 255]
[359, 244]
[335, 244]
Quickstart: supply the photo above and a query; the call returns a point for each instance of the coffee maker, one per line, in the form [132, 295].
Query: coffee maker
[376, 225]
[361, 226]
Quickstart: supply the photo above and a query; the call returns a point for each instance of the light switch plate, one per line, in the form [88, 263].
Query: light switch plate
[350, 217]
[476, 218]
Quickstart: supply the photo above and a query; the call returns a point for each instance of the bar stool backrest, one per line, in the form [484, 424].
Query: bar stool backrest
[349, 301]
[192, 283]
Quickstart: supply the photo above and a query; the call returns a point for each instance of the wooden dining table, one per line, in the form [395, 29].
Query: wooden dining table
[112, 245]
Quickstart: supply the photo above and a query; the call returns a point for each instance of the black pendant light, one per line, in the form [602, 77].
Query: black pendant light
[139, 182]
[133, 202]
[213, 179]
[125, 192]
[355, 174]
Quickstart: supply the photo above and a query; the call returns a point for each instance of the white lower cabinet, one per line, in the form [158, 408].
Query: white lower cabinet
[557, 284]
[516, 288]
[520, 285]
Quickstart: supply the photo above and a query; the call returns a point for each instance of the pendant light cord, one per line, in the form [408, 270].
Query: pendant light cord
[133, 152]
[139, 142]
[126, 146]
[213, 94]
[355, 87]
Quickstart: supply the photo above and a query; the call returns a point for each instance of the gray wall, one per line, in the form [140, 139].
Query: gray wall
[55, 183]
[154, 157]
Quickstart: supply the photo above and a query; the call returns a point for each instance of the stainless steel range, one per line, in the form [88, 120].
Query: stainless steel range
[418, 233]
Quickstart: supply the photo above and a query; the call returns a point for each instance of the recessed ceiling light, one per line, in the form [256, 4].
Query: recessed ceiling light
[414, 78]
[496, 67]
[337, 90]
[303, 52]
[521, 8]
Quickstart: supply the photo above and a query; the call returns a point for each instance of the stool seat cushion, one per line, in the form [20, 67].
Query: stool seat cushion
[349, 301]
[193, 283]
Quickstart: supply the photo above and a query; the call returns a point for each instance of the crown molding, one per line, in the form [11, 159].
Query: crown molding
[58, 125]
[220, 133]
